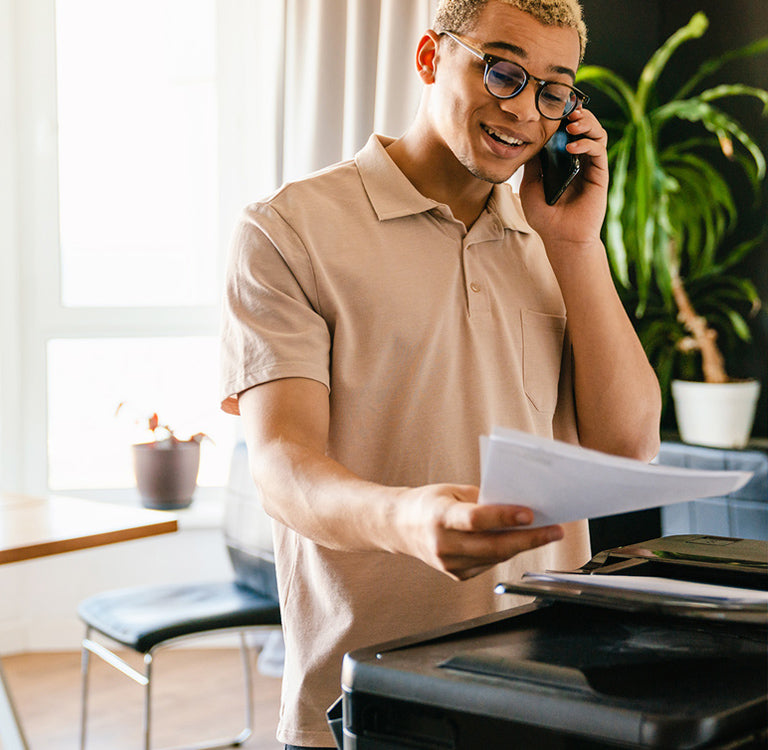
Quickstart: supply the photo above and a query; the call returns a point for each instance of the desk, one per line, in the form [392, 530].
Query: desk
[33, 527]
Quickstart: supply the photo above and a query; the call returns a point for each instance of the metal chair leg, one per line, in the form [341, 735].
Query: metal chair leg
[247, 677]
[146, 681]
[147, 699]
[85, 663]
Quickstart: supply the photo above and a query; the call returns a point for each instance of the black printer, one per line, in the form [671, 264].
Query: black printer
[677, 658]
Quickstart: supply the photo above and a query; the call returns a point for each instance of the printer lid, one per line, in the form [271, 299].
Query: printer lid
[689, 550]
[690, 575]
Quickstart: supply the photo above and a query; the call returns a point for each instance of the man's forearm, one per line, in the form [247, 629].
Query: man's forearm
[617, 393]
[301, 487]
[322, 500]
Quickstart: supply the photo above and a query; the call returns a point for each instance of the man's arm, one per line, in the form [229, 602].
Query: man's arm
[618, 402]
[286, 428]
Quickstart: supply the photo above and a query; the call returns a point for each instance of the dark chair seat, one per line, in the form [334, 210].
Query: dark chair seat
[144, 616]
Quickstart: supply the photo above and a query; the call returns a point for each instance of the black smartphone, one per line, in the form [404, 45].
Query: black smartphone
[558, 167]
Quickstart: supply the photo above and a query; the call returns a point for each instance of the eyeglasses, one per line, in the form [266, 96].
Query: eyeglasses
[505, 79]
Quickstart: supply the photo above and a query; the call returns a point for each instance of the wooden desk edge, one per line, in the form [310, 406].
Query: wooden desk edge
[58, 546]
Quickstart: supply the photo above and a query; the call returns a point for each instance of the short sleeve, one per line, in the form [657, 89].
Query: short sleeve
[271, 325]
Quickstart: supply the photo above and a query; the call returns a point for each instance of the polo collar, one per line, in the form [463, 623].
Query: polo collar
[392, 195]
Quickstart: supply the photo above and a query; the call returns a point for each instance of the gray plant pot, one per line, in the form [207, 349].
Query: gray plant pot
[166, 473]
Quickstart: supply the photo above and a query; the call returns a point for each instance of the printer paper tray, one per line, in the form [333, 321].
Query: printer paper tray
[635, 600]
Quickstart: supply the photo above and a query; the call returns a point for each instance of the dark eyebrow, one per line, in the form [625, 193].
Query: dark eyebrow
[520, 52]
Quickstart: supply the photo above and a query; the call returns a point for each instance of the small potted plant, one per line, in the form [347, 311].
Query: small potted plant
[165, 467]
[670, 215]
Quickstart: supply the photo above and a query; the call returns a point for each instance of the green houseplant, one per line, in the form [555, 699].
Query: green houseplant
[165, 467]
[671, 212]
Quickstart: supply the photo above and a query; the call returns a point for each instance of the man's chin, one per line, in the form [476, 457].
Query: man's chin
[495, 178]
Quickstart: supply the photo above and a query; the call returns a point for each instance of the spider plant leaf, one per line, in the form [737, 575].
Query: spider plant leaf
[664, 243]
[736, 254]
[690, 145]
[617, 251]
[750, 170]
[714, 120]
[670, 208]
[740, 290]
[694, 29]
[753, 49]
[704, 206]
[739, 325]
[728, 90]
[611, 84]
[644, 204]
[695, 234]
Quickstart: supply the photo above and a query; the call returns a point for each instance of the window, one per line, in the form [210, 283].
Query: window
[137, 163]
[137, 132]
[120, 243]
[88, 444]
[137, 152]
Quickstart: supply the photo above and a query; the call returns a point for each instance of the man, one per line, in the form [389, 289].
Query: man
[383, 314]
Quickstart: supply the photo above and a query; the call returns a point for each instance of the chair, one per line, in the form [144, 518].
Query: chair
[148, 618]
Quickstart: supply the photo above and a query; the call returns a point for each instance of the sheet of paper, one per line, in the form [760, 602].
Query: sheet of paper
[661, 586]
[562, 482]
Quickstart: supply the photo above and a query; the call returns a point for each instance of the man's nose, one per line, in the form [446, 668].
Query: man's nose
[522, 106]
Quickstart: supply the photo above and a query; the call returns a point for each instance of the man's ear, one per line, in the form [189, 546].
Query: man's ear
[426, 56]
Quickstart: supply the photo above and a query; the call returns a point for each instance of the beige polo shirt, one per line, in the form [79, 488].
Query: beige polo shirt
[426, 336]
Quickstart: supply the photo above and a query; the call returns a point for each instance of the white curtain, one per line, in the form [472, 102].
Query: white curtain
[303, 83]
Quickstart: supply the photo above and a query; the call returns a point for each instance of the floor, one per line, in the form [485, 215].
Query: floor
[198, 695]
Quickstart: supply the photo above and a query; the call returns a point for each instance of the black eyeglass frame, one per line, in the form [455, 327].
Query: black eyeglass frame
[491, 60]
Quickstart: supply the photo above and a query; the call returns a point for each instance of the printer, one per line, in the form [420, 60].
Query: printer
[661, 644]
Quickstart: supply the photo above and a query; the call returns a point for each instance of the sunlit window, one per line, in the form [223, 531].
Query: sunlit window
[138, 216]
[89, 446]
[137, 152]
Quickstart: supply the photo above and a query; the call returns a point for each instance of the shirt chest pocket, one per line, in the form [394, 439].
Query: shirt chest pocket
[542, 356]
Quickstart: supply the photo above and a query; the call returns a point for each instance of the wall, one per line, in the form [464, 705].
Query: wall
[622, 35]
[9, 267]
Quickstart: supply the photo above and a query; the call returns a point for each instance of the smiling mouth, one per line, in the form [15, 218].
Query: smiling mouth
[507, 140]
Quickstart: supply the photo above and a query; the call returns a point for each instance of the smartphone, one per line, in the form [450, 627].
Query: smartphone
[558, 167]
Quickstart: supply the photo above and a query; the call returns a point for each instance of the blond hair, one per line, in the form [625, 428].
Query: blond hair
[461, 15]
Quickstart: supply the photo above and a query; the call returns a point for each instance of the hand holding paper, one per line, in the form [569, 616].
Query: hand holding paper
[562, 482]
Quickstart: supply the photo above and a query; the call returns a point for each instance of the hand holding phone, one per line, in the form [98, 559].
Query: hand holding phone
[558, 167]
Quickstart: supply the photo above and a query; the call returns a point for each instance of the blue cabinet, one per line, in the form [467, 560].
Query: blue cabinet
[742, 514]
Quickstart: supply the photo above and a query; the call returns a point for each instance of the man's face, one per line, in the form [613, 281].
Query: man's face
[492, 137]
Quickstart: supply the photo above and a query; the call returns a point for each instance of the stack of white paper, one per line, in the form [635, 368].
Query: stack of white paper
[562, 482]
[669, 587]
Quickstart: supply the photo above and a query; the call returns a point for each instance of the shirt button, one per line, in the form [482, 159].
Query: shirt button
[475, 287]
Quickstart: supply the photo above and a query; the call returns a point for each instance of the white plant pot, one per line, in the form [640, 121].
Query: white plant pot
[720, 415]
